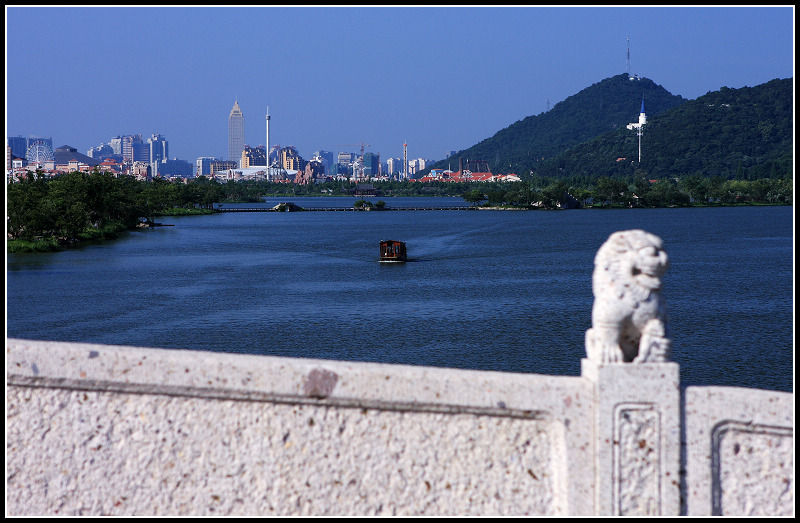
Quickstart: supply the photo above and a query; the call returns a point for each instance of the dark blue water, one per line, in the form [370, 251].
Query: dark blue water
[492, 290]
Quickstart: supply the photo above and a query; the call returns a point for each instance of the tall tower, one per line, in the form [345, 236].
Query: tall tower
[267, 136]
[405, 161]
[236, 134]
[629, 57]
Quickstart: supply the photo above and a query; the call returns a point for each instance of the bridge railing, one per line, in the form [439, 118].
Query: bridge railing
[95, 429]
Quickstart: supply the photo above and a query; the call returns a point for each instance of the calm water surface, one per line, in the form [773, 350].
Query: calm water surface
[491, 290]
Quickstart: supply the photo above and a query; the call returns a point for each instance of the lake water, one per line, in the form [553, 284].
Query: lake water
[491, 290]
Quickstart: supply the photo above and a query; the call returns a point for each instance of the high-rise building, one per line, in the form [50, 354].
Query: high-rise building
[345, 161]
[101, 152]
[274, 153]
[203, 166]
[116, 145]
[326, 157]
[372, 162]
[159, 148]
[18, 144]
[394, 166]
[290, 159]
[221, 165]
[235, 134]
[127, 148]
[252, 156]
[173, 167]
[141, 151]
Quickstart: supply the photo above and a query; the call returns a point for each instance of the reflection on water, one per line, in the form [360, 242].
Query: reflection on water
[493, 290]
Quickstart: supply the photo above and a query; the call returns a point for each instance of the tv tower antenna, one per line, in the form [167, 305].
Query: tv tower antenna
[629, 56]
[268, 165]
[405, 160]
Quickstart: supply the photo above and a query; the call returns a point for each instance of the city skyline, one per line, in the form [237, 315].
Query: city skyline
[439, 79]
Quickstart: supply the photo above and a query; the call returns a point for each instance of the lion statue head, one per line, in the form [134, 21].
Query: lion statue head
[628, 315]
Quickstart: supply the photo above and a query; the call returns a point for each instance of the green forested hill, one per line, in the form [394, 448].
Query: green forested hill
[742, 133]
[605, 106]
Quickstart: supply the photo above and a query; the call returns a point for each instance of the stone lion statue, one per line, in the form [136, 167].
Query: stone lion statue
[628, 315]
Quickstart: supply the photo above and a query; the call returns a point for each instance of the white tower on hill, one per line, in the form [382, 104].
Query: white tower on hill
[638, 127]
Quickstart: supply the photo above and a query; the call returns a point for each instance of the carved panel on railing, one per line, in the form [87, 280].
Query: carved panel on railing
[752, 470]
[637, 460]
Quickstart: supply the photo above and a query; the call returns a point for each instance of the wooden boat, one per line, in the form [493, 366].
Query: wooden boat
[393, 251]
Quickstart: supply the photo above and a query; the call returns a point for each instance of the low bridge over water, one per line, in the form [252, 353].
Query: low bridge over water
[299, 209]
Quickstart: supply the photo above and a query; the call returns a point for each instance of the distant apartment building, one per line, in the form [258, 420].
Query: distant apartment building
[203, 165]
[344, 161]
[116, 145]
[372, 163]
[18, 144]
[158, 148]
[141, 170]
[221, 165]
[290, 159]
[274, 153]
[134, 149]
[167, 168]
[101, 152]
[235, 133]
[394, 166]
[416, 165]
[141, 152]
[253, 156]
[325, 157]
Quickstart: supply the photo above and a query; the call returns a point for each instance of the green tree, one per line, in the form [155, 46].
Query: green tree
[474, 196]
[67, 198]
[554, 193]
[28, 216]
[607, 190]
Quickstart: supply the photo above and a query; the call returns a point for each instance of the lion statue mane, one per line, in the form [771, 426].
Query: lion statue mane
[629, 321]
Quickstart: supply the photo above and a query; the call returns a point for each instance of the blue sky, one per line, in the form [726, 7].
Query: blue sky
[438, 78]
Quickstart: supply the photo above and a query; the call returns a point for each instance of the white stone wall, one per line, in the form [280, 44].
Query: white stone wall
[105, 430]
[740, 452]
[95, 430]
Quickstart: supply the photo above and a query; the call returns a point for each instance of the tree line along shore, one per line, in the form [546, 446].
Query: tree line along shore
[52, 214]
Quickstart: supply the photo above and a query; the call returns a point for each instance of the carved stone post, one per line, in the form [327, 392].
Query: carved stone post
[637, 394]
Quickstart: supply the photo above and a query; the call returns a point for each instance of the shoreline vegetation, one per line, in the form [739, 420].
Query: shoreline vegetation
[72, 209]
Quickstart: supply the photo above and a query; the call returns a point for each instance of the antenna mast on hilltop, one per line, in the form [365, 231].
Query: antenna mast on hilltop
[629, 56]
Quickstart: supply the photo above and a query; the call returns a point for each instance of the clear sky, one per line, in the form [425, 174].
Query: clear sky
[438, 78]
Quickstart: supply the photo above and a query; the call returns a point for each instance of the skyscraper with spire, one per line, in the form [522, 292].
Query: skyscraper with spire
[236, 134]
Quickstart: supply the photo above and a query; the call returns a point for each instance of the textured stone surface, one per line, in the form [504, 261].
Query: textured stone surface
[753, 467]
[95, 429]
[637, 438]
[637, 460]
[99, 453]
[739, 452]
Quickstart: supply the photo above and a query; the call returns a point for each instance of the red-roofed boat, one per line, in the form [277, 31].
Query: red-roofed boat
[393, 251]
